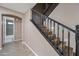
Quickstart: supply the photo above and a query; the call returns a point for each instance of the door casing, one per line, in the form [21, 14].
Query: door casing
[9, 15]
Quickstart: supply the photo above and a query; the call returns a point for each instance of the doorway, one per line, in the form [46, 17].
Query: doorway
[8, 29]
[11, 28]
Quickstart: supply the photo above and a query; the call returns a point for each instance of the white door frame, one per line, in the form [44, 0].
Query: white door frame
[9, 18]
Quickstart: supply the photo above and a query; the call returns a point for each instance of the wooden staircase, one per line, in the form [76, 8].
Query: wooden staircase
[45, 25]
[56, 40]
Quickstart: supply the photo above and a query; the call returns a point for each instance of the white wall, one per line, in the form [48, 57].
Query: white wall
[18, 29]
[7, 11]
[33, 38]
[19, 7]
[68, 15]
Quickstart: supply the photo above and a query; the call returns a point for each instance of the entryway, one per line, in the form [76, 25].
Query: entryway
[8, 29]
[11, 28]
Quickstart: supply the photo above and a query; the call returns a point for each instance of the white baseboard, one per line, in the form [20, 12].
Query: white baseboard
[29, 48]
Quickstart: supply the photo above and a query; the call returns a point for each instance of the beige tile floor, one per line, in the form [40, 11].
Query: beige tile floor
[15, 49]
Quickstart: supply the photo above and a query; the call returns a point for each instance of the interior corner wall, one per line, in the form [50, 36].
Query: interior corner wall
[7, 11]
[34, 39]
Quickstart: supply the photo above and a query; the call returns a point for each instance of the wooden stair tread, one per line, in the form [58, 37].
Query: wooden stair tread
[50, 33]
[70, 51]
[52, 36]
[66, 47]
[60, 45]
[56, 41]
[44, 29]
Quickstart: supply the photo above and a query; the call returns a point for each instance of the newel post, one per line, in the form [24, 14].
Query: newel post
[77, 40]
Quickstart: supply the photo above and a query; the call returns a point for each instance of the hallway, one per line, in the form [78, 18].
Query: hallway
[15, 49]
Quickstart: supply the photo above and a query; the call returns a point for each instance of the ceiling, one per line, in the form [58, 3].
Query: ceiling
[19, 7]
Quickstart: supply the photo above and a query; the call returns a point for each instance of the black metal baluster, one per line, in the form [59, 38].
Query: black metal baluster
[38, 20]
[57, 30]
[54, 28]
[41, 18]
[68, 43]
[62, 40]
[77, 40]
[45, 21]
[50, 25]
[50, 29]
[47, 29]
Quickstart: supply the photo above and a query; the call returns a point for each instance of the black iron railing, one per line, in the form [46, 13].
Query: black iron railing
[51, 28]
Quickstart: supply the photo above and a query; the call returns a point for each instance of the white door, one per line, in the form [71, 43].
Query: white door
[8, 29]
